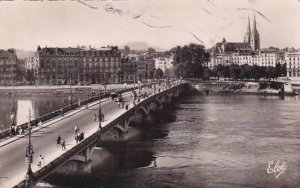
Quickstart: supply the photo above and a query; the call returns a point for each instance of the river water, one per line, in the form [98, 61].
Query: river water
[39, 105]
[215, 141]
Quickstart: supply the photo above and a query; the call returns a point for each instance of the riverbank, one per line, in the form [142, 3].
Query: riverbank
[61, 90]
[242, 88]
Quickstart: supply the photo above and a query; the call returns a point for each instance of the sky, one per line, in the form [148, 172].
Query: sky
[162, 24]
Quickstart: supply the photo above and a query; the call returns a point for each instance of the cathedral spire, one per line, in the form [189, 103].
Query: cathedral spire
[254, 25]
[255, 39]
[248, 33]
[248, 29]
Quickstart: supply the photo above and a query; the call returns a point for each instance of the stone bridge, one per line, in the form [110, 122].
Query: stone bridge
[77, 158]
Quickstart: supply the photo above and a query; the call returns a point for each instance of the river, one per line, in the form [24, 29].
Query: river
[215, 141]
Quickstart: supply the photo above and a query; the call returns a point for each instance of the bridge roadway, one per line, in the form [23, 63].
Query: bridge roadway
[12, 155]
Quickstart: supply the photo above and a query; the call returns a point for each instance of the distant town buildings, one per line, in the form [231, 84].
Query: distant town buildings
[292, 60]
[248, 52]
[79, 65]
[8, 67]
[164, 63]
[128, 72]
[145, 66]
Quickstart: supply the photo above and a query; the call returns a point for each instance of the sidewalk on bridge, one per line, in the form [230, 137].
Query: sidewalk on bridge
[70, 141]
[7, 140]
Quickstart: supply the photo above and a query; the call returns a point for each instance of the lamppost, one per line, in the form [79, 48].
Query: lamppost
[29, 154]
[70, 81]
[100, 112]
[12, 113]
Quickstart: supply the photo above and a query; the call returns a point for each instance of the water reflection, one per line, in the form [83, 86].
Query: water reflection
[39, 105]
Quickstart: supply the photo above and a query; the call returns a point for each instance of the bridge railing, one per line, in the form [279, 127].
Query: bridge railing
[58, 113]
[91, 140]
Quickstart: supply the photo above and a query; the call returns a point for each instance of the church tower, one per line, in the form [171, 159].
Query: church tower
[255, 40]
[247, 37]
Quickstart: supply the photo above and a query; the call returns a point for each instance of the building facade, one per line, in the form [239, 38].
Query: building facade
[79, 65]
[164, 63]
[292, 60]
[145, 66]
[8, 67]
[128, 70]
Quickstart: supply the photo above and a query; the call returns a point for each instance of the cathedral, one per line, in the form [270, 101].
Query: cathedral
[251, 42]
[246, 52]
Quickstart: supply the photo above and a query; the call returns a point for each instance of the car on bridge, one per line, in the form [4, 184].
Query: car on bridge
[116, 97]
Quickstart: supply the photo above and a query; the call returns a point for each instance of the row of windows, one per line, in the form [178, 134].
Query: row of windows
[106, 59]
[291, 58]
[4, 62]
[5, 69]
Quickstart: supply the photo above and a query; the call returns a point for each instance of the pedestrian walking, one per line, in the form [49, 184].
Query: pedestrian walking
[40, 123]
[126, 106]
[12, 130]
[81, 136]
[76, 138]
[16, 129]
[58, 140]
[95, 117]
[63, 144]
[40, 161]
[79, 102]
[123, 104]
[101, 117]
[20, 131]
[76, 129]
[119, 105]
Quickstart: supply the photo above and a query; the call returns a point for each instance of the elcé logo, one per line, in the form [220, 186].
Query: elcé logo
[276, 168]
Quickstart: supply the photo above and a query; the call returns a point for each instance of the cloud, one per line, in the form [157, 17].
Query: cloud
[258, 12]
[157, 27]
[87, 5]
[196, 38]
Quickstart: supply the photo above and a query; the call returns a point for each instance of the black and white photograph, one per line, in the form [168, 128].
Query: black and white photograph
[149, 93]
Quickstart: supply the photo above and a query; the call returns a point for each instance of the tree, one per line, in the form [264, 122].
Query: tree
[158, 73]
[206, 73]
[126, 50]
[235, 71]
[245, 72]
[29, 76]
[189, 60]
[151, 50]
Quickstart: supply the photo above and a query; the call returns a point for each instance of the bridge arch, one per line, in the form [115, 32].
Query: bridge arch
[142, 111]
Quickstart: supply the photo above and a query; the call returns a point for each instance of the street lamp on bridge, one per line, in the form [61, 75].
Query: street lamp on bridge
[29, 154]
[100, 111]
[12, 112]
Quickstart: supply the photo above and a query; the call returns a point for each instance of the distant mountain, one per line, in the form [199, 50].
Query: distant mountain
[141, 46]
[21, 54]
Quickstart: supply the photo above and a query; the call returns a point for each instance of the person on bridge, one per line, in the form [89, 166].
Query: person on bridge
[40, 161]
[77, 138]
[58, 140]
[12, 131]
[63, 144]
[95, 117]
[101, 117]
[40, 123]
[76, 129]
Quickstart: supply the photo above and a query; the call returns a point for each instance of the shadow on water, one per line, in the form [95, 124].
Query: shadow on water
[113, 160]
